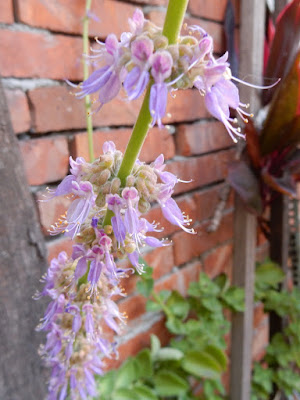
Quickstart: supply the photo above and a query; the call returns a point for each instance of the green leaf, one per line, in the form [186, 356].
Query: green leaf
[155, 345]
[125, 394]
[106, 383]
[126, 374]
[176, 326]
[234, 298]
[143, 364]
[223, 282]
[201, 365]
[178, 305]
[153, 306]
[268, 274]
[145, 286]
[144, 392]
[169, 354]
[218, 354]
[167, 383]
[207, 286]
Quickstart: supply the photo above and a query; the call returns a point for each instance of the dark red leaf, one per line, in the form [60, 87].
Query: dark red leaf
[285, 184]
[281, 128]
[285, 46]
[252, 144]
[245, 183]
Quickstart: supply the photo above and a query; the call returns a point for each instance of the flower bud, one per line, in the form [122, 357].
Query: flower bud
[115, 185]
[143, 206]
[130, 180]
[103, 177]
[160, 42]
[108, 229]
[100, 200]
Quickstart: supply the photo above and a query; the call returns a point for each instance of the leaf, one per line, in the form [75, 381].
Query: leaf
[167, 383]
[284, 47]
[218, 354]
[125, 394]
[285, 184]
[126, 374]
[145, 286]
[143, 364]
[178, 305]
[252, 144]
[106, 383]
[176, 326]
[268, 275]
[153, 306]
[281, 128]
[245, 183]
[234, 298]
[201, 365]
[169, 354]
[223, 282]
[144, 393]
[155, 345]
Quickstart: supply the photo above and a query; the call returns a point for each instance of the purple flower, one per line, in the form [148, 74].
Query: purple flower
[222, 96]
[138, 78]
[173, 214]
[106, 80]
[162, 63]
[115, 203]
[137, 21]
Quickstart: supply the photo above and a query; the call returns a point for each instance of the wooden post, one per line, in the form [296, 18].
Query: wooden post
[251, 65]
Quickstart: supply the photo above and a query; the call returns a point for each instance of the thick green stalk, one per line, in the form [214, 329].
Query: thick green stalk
[87, 99]
[172, 26]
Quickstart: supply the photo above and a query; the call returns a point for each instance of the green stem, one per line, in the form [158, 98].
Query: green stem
[172, 26]
[161, 303]
[87, 100]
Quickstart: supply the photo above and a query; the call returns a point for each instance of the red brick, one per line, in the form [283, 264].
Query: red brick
[39, 55]
[260, 341]
[45, 159]
[6, 12]
[55, 109]
[218, 261]
[202, 137]
[157, 140]
[214, 29]
[51, 210]
[56, 246]
[161, 260]
[67, 15]
[186, 246]
[259, 316]
[203, 170]
[212, 9]
[19, 110]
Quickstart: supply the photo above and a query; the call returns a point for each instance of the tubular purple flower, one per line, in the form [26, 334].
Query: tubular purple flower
[162, 63]
[137, 21]
[173, 214]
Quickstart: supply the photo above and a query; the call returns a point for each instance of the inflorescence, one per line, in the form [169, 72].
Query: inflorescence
[82, 288]
[144, 55]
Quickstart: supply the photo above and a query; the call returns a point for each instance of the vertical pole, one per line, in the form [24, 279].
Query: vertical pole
[251, 65]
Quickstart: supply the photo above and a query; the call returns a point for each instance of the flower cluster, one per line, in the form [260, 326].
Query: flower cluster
[83, 288]
[144, 55]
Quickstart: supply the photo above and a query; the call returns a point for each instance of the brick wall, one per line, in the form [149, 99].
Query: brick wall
[40, 47]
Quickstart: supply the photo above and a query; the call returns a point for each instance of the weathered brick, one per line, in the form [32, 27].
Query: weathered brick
[45, 159]
[218, 261]
[214, 29]
[186, 247]
[50, 211]
[55, 109]
[201, 137]
[203, 170]
[156, 141]
[6, 12]
[67, 15]
[161, 260]
[19, 110]
[39, 55]
[212, 9]
[56, 246]
[260, 340]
